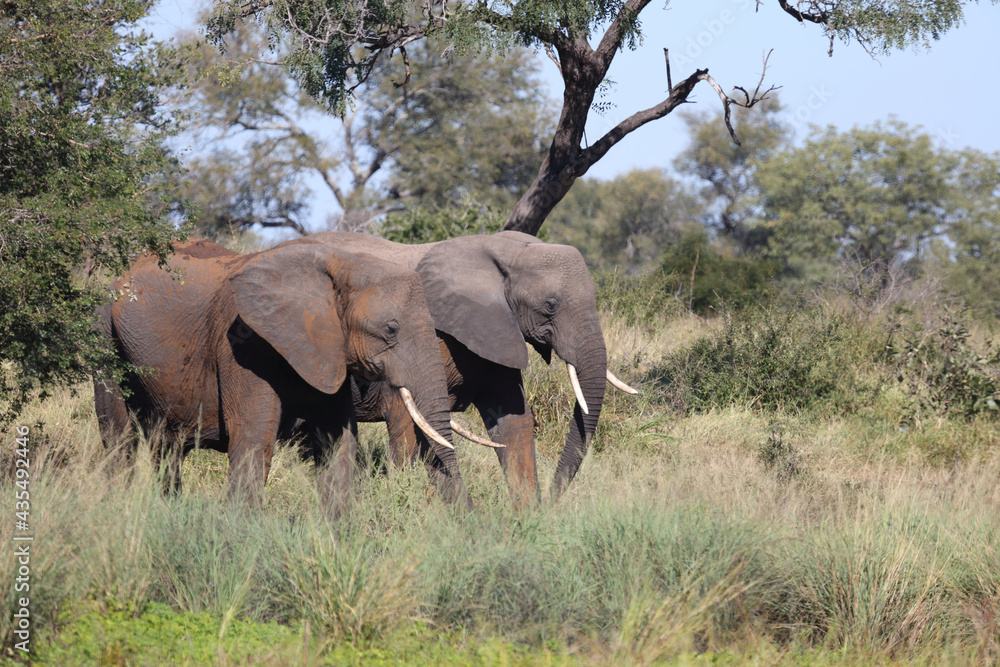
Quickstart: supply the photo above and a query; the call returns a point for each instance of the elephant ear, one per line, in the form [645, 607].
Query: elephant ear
[287, 296]
[467, 298]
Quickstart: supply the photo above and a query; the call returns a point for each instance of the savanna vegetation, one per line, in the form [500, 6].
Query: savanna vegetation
[807, 477]
[808, 485]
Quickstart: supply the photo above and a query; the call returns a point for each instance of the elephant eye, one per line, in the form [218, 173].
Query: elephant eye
[550, 305]
[391, 328]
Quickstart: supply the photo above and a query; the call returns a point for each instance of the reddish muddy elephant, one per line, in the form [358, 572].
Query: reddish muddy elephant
[488, 295]
[233, 350]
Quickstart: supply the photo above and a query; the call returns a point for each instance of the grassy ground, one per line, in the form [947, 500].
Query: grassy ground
[805, 518]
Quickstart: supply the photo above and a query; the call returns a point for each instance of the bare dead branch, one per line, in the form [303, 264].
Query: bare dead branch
[246, 223]
[678, 95]
[666, 57]
[747, 103]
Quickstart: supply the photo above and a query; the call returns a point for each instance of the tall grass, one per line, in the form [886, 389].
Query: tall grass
[681, 534]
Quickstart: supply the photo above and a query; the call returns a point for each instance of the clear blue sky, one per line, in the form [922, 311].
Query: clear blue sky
[950, 89]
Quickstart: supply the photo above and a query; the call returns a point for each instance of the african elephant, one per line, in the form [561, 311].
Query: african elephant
[238, 348]
[488, 295]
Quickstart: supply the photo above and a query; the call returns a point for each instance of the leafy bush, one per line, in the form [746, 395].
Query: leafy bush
[82, 190]
[772, 360]
[944, 373]
[780, 457]
[424, 225]
[640, 300]
[720, 278]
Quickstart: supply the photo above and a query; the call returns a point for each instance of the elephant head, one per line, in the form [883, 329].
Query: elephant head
[494, 293]
[330, 312]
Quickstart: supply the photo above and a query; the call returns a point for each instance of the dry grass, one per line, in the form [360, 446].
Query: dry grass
[770, 536]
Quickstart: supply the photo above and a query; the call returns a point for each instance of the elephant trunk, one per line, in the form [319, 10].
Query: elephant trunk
[428, 386]
[591, 363]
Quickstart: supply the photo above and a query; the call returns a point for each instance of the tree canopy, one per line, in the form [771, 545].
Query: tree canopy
[82, 172]
[335, 45]
[463, 130]
[876, 195]
[870, 209]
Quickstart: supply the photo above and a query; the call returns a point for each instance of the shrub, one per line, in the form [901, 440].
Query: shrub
[945, 374]
[643, 300]
[772, 360]
[425, 225]
[779, 456]
[712, 277]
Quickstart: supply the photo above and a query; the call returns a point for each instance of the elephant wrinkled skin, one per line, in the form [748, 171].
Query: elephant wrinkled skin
[488, 295]
[232, 350]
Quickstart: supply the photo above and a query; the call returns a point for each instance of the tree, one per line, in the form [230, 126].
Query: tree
[727, 170]
[877, 196]
[334, 45]
[626, 221]
[467, 128]
[463, 128]
[968, 262]
[82, 168]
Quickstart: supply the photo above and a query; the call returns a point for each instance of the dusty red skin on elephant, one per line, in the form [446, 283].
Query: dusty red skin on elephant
[240, 347]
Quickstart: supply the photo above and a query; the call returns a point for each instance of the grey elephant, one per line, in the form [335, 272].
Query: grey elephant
[236, 349]
[488, 295]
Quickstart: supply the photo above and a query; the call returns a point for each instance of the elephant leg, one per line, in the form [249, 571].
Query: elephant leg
[117, 431]
[334, 438]
[252, 423]
[508, 419]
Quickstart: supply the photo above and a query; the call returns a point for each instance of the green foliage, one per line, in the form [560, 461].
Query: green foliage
[875, 196]
[323, 65]
[81, 195]
[945, 374]
[645, 300]
[882, 26]
[780, 456]
[468, 126]
[334, 46]
[426, 225]
[420, 225]
[533, 22]
[769, 360]
[713, 277]
[157, 634]
[325, 36]
[626, 221]
[727, 172]
[463, 127]
[968, 263]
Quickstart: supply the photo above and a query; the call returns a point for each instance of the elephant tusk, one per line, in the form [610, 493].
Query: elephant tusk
[418, 418]
[469, 435]
[575, 381]
[621, 385]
